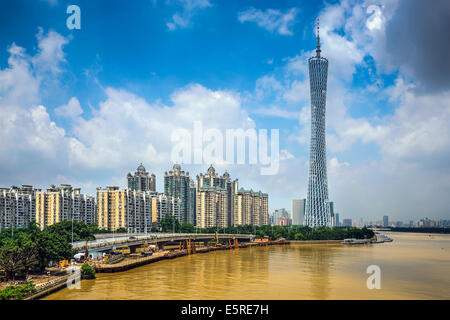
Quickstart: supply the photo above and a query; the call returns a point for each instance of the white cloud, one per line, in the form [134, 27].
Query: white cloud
[273, 20]
[335, 165]
[126, 128]
[71, 110]
[25, 125]
[183, 18]
[375, 21]
[51, 54]
[285, 155]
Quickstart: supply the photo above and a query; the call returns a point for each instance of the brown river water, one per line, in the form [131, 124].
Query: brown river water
[414, 266]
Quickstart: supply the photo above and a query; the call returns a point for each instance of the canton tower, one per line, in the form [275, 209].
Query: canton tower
[317, 206]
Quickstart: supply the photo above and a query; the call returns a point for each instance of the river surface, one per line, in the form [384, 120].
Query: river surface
[414, 266]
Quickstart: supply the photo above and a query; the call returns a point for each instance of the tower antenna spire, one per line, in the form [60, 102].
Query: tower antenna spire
[318, 38]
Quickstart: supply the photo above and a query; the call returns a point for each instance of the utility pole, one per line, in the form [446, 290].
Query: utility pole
[72, 229]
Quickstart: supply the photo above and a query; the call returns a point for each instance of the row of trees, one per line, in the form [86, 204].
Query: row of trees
[169, 223]
[30, 250]
[421, 230]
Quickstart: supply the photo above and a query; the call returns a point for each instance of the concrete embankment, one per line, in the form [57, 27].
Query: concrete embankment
[49, 287]
[315, 241]
[158, 256]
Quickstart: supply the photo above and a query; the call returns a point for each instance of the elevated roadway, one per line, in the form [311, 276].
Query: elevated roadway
[108, 242]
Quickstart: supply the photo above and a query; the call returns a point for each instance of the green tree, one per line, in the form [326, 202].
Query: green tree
[169, 224]
[11, 259]
[187, 228]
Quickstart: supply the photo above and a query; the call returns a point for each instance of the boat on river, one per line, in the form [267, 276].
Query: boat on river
[356, 241]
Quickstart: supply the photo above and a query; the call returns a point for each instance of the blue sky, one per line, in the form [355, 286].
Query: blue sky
[99, 100]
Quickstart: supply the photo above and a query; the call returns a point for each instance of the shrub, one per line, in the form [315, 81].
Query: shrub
[17, 292]
[87, 271]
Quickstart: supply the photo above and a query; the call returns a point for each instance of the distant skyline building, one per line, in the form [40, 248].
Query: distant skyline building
[385, 221]
[141, 180]
[347, 222]
[333, 219]
[298, 211]
[284, 221]
[336, 215]
[317, 207]
[277, 214]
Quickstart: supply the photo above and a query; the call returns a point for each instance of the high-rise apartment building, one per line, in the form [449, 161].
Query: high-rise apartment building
[336, 220]
[212, 207]
[63, 203]
[250, 208]
[141, 180]
[385, 221]
[298, 211]
[136, 211]
[223, 183]
[214, 199]
[163, 205]
[317, 207]
[178, 184]
[111, 206]
[17, 206]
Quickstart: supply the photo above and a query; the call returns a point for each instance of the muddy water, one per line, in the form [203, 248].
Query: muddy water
[414, 266]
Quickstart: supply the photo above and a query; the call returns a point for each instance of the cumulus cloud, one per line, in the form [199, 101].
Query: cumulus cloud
[126, 127]
[26, 128]
[272, 20]
[71, 110]
[51, 54]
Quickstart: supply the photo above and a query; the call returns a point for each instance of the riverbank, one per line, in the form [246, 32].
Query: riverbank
[50, 287]
[316, 241]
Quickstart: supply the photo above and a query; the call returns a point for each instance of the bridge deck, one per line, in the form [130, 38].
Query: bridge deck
[154, 238]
